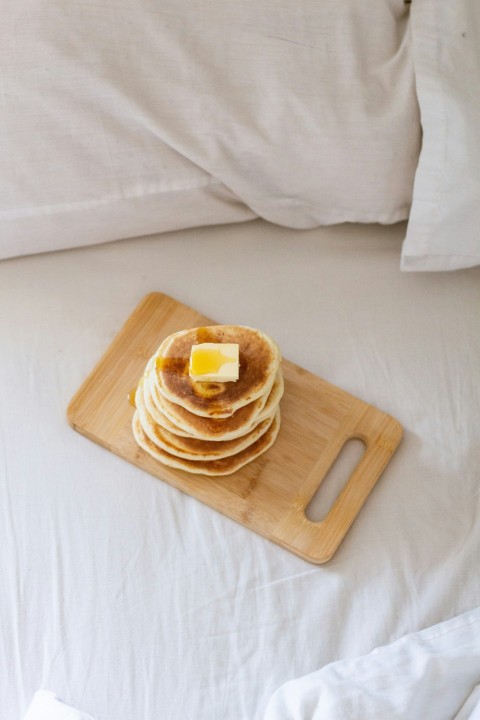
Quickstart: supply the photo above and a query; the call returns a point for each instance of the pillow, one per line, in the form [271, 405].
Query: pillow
[120, 120]
[82, 159]
[444, 228]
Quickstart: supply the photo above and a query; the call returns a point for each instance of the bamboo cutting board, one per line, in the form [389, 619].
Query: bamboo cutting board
[269, 495]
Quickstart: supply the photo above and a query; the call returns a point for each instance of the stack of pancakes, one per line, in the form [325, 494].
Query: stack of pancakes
[212, 428]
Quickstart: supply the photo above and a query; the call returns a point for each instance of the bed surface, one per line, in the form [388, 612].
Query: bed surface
[132, 600]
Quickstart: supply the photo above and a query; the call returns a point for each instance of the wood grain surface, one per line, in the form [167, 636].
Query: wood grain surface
[269, 495]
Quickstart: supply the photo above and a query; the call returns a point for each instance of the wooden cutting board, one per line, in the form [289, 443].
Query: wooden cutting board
[269, 495]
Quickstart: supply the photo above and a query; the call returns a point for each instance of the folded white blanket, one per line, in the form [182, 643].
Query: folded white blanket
[430, 675]
[47, 706]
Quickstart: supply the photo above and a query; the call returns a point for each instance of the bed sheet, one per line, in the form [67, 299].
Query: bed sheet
[131, 600]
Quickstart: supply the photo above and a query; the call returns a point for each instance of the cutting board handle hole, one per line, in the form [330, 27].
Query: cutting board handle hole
[335, 480]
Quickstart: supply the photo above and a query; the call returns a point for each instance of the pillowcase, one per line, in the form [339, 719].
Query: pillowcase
[444, 228]
[120, 120]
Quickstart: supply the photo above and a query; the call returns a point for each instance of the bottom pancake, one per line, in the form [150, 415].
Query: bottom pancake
[221, 466]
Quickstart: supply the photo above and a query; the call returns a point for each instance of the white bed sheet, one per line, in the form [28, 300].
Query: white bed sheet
[131, 600]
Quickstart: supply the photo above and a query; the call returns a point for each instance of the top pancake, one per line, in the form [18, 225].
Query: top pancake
[259, 362]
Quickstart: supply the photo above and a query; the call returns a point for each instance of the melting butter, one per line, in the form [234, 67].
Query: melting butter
[214, 362]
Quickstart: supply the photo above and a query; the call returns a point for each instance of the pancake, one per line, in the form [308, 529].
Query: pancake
[158, 416]
[182, 421]
[192, 448]
[209, 428]
[222, 466]
[259, 362]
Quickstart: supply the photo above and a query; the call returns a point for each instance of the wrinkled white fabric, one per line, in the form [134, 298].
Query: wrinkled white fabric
[47, 706]
[424, 676]
[131, 600]
[118, 121]
[443, 231]
[470, 710]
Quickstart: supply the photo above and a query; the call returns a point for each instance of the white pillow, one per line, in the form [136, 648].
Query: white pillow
[82, 159]
[444, 228]
[120, 120]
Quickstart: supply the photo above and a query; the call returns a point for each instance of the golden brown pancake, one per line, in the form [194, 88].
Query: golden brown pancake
[259, 362]
[209, 428]
[222, 466]
[181, 421]
[192, 448]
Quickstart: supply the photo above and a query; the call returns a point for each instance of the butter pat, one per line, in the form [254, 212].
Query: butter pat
[214, 362]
